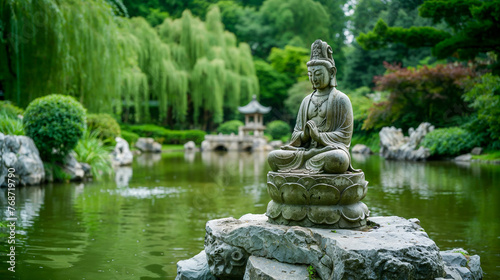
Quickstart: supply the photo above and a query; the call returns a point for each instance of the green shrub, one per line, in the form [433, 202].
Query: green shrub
[166, 136]
[11, 125]
[54, 172]
[278, 129]
[371, 140]
[55, 123]
[147, 130]
[105, 125]
[230, 127]
[91, 150]
[10, 110]
[484, 97]
[130, 137]
[450, 141]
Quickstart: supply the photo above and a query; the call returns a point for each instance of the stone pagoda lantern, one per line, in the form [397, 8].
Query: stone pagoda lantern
[254, 121]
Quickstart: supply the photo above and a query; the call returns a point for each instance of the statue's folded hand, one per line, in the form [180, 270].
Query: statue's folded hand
[292, 148]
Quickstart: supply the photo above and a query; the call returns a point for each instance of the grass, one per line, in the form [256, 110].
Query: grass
[312, 272]
[11, 125]
[91, 150]
[488, 155]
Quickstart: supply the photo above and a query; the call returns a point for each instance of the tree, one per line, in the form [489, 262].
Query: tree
[484, 98]
[116, 64]
[363, 65]
[221, 72]
[273, 89]
[61, 47]
[474, 25]
[279, 23]
[427, 94]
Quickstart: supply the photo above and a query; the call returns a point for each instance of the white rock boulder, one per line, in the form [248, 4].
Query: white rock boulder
[361, 149]
[122, 155]
[21, 154]
[394, 145]
[190, 146]
[148, 145]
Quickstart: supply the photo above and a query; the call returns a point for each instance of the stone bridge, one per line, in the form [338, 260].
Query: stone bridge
[222, 142]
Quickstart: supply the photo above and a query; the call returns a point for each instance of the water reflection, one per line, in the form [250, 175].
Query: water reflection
[190, 156]
[148, 159]
[123, 174]
[139, 226]
[361, 158]
[28, 204]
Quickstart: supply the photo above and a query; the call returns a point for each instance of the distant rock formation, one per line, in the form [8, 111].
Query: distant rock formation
[148, 145]
[361, 149]
[121, 154]
[394, 145]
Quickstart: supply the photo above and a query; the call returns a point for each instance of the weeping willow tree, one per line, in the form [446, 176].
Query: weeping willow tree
[88, 50]
[69, 47]
[221, 72]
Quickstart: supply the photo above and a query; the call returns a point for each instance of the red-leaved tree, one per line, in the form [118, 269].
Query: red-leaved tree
[426, 94]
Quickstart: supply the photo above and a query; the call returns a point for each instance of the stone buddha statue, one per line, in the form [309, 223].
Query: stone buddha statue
[322, 134]
[312, 182]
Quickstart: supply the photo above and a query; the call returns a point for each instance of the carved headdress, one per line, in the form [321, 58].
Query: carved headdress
[321, 54]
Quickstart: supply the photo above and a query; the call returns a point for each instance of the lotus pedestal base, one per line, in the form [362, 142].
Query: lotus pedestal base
[317, 200]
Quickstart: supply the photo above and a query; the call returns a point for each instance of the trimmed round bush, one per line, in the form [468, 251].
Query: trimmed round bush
[105, 125]
[451, 141]
[55, 123]
[229, 127]
[278, 129]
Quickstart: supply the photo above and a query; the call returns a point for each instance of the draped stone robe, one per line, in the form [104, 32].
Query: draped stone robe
[335, 132]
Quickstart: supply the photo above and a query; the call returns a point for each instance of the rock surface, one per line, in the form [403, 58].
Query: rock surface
[266, 269]
[205, 146]
[73, 168]
[190, 146]
[477, 151]
[122, 154]
[394, 145]
[148, 145]
[20, 153]
[459, 265]
[276, 144]
[361, 149]
[393, 249]
[194, 268]
[466, 157]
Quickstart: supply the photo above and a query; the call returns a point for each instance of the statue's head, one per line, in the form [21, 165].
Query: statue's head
[321, 58]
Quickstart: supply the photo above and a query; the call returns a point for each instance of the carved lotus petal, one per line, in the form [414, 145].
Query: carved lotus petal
[351, 194]
[323, 194]
[274, 209]
[293, 193]
[294, 212]
[355, 212]
[292, 179]
[274, 193]
[365, 189]
[279, 181]
[307, 182]
[341, 182]
[324, 215]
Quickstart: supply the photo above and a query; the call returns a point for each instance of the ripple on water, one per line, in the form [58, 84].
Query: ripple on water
[145, 192]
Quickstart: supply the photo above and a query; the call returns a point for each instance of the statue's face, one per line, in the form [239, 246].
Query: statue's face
[318, 76]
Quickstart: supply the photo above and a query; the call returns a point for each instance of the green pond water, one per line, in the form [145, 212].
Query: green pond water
[153, 214]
